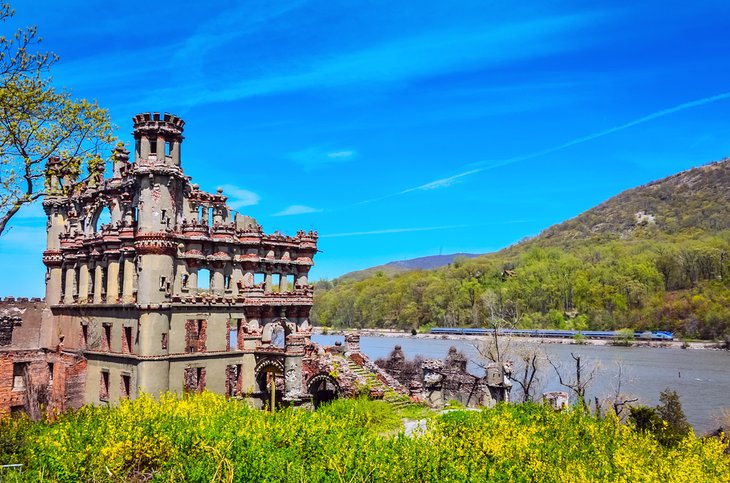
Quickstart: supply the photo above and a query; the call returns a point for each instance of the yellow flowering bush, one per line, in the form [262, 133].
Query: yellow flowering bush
[206, 437]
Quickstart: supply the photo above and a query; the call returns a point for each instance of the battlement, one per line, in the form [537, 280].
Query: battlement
[153, 121]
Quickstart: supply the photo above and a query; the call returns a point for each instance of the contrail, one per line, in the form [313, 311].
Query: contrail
[487, 165]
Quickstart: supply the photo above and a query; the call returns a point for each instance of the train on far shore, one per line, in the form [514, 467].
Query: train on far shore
[657, 335]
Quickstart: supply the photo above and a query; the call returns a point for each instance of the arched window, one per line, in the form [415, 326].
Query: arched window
[203, 279]
[278, 337]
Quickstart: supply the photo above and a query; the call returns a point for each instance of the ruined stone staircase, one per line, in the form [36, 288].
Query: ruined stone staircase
[390, 395]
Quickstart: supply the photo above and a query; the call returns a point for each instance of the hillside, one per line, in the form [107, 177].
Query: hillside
[694, 200]
[655, 256]
[400, 266]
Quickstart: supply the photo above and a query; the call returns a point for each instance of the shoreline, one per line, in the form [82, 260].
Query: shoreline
[674, 344]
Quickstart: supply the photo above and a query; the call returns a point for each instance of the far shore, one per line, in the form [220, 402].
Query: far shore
[675, 344]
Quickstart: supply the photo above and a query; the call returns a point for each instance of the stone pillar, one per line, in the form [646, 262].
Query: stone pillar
[268, 280]
[193, 280]
[302, 279]
[236, 278]
[352, 342]
[144, 148]
[217, 284]
[53, 286]
[282, 283]
[175, 153]
[293, 368]
[128, 282]
[112, 282]
[98, 283]
[160, 148]
[83, 281]
[248, 278]
[69, 288]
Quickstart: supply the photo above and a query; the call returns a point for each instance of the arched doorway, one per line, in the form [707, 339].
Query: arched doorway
[270, 383]
[323, 389]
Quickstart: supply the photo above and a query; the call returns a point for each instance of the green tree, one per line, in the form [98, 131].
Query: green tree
[38, 122]
[670, 411]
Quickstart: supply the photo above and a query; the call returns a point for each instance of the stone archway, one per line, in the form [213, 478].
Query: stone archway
[276, 332]
[323, 388]
[269, 376]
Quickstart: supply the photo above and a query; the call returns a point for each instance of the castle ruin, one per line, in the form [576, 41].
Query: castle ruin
[176, 293]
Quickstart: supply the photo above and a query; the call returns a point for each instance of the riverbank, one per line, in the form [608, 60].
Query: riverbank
[675, 344]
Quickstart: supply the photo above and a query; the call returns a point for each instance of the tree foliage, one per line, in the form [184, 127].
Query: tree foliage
[606, 286]
[38, 121]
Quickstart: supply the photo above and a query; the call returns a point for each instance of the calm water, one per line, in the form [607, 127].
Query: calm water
[700, 377]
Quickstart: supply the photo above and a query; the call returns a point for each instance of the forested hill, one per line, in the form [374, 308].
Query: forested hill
[653, 257]
[400, 266]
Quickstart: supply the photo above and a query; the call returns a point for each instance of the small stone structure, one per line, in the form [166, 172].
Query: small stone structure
[558, 400]
[439, 381]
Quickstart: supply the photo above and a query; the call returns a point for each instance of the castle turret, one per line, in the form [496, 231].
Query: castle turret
[160, 182]
[158, 138]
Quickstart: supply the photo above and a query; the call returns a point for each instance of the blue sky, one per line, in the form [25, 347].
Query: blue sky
[399, 129]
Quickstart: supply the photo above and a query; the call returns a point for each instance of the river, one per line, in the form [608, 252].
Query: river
[700, 377]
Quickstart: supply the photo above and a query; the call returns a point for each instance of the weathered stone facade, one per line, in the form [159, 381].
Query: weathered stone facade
[33, 375]
[436, 382]
[176, 292]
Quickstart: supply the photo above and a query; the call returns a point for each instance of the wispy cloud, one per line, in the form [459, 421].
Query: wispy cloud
[320, 156]
[297, 210]
[393, 62]
[392, 230]
[492, 164]
[239, 197]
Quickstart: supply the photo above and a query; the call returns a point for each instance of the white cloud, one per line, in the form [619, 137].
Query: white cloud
[320, 156]
[391, 62]
[341, 154]
[239, 197]
[297, 210]
[491, 164]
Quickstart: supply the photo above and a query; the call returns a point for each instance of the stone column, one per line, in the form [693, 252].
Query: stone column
[69, 288]
[282, 282]
[160, 148]
[217, 284]
[302, 279]
[112, 282]
[98, 283]
[53, 286]
[352, 343]
[193, 279]
[236, 278]
[293, 367]
[268, 280]
[83, 281]
[248, 278]
[128, 282]
[175, 153]
[144, 150]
